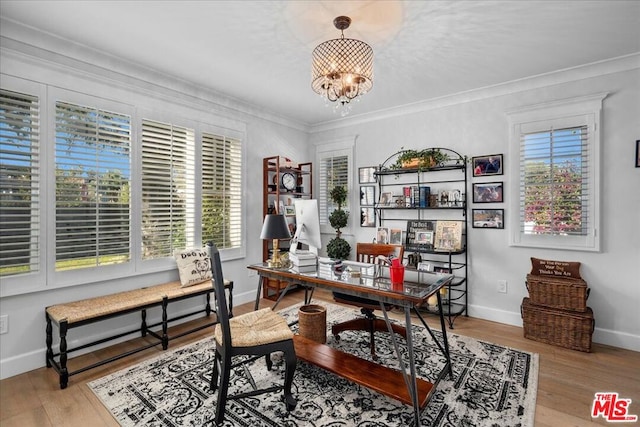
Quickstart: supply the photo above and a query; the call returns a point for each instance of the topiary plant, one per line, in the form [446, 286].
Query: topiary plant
[338, 248]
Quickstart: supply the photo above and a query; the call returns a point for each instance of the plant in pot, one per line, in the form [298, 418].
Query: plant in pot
[420, 159]
[338, 248]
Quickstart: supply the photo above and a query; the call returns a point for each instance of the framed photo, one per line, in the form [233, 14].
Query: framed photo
[488, 192]
[638, 153]
[366, 175]
[367, 195]
[367, 217]
[383, 235]
[395, 236]
[424, 237]
[487, 218]
[289, 210]
[448, 236]
[386, 199]
[487, 165]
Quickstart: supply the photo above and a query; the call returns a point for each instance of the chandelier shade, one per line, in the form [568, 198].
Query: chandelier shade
[342, 69]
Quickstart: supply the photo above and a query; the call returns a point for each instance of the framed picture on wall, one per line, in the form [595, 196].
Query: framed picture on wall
[488, 192]
[487, 165]
[487, 218]
[367, 217]
[367, 195]
[366, 175]
[638, 153]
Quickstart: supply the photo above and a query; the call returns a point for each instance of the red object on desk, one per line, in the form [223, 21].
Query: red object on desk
[397, 274]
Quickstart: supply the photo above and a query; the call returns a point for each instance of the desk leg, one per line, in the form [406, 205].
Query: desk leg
[444, 335]
[411, 380]
[260, 284]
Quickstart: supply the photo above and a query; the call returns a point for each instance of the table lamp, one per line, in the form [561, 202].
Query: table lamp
[275, 227]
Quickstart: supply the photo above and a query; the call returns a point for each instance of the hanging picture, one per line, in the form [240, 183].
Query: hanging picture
[488, 192]
[367, 195]
[487, 165]
[487, 218]
[367, 217]
[367, 175]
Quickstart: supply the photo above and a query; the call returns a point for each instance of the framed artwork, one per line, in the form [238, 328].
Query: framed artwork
[395, 236]
[366, 175]
[289, 210]
[487, 165]
[448, 236]
[638, 153]
[367, 195]
[487, 218]
[424, 237]
[367, 217]
[488, 192]
[383, 235]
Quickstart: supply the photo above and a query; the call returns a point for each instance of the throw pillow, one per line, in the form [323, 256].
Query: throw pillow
[544, 267]
[194, 266]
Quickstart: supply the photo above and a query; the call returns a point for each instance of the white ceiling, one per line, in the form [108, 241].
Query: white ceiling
[259, 51]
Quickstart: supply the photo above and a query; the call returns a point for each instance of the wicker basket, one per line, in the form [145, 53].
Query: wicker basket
[554, 292]
[563, 328]
[312, 322]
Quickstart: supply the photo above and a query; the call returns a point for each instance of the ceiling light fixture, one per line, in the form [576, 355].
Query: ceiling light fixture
[342, 69]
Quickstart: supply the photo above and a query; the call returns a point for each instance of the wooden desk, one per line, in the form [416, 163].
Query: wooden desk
[397, 384]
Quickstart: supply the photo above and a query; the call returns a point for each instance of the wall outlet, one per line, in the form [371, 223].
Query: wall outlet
[502, 286]
[4, 324]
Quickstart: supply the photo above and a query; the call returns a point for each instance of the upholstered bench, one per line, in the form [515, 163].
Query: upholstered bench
[83, 312]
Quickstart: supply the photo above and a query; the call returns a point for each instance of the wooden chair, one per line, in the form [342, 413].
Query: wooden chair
[256, 334]
[368, 252]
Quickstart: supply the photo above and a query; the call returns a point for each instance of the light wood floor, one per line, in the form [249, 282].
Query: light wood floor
[567, 379]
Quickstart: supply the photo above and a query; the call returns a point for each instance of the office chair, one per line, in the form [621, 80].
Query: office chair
[368, 252]
[258, 333]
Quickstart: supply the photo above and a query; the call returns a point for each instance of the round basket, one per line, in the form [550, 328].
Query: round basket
[312, 322]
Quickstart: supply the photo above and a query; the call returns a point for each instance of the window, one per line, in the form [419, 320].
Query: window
[334, 169]
[221, 191]
[168, 191]
[556, 150]
[20, 244]
[92, 181]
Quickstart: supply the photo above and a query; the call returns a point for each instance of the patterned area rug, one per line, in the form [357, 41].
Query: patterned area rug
[492, 386]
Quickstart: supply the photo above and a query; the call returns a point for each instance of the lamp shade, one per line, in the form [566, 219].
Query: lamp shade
[275, 227]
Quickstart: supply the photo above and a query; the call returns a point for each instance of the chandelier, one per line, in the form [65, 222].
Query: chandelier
[342, 69]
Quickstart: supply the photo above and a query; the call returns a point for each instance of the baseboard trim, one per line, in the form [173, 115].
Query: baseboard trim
[600, 336]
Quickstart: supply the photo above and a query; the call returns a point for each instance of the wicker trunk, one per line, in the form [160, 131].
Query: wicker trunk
[554, 292]
[565, 328]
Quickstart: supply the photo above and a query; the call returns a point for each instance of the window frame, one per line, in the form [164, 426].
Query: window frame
[579, 111]
[326, 151]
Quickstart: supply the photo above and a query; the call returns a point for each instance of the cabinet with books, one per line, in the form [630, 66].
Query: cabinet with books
[283, 181]
[423, 206]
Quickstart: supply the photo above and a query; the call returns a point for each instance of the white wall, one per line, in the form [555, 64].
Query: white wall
[475, 124]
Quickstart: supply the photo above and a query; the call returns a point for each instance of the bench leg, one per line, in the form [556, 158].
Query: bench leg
[64, 373]
[143, 326]
[49, 340]
[165, 335]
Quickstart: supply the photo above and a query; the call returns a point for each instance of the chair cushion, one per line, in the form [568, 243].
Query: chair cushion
[256, 328]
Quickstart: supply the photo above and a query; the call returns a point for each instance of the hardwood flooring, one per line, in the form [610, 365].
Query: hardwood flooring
[566, 384]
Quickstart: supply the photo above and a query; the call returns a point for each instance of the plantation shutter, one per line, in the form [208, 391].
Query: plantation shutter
[19, 183]
[167, 188]
[554, 181]
[334, 171]
[221, 191]
[92, 186]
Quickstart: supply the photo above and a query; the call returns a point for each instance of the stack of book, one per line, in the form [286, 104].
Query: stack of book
[326, 267]
[303, 262]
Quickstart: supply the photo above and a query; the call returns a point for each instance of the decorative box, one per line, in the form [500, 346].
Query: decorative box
[563, 328]
[555, 292]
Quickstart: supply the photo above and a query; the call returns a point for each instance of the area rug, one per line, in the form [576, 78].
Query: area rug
[492, 386]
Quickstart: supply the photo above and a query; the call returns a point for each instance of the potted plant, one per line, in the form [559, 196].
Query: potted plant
[338, 248]
[420, 159]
